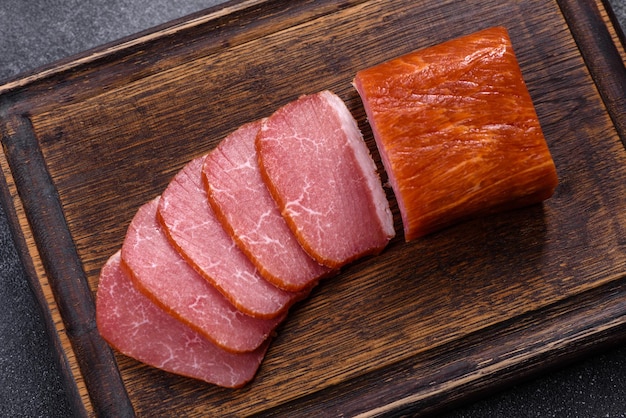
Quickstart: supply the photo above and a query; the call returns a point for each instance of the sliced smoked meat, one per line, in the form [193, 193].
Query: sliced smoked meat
[320, 172]
[246, 209]
[160, 272]
[457, 131]
[192, 227]
[135, 326]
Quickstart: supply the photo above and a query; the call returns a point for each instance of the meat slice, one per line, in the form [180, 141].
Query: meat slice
[192, 227]
[457, 131]
[158, 271]
[136, 327]
[247, 211]
[320, 172]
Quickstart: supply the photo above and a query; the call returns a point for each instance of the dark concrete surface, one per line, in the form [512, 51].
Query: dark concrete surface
[38, 32]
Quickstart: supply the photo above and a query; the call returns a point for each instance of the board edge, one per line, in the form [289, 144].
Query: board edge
[600, 55]
[598, 326]
[62, 265]
[62, 363]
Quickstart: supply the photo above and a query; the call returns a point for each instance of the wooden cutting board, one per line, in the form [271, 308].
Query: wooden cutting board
[88, 140]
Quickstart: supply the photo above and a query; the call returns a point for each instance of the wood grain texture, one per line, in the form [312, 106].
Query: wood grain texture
[425, 323]
[60, 261]
[612, 24]
[35, 275]
[601, 54]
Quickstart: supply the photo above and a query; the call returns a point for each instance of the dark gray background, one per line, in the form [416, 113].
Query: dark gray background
[37, 32]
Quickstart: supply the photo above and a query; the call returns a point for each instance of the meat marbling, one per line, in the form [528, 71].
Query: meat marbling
[320, 172]
[192, 227]
[242, 202]
[136, 327]
[159, 271]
